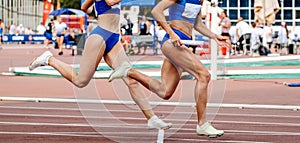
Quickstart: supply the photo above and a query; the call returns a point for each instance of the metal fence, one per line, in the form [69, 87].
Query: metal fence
[26, 12]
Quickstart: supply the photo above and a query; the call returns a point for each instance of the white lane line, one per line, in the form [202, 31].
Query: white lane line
[137, 111]
[134, 118]
[118, 136]
[149, 133]
[265, 132]
[143, 119]
[166, 103]
[48, 134]
[222, 141]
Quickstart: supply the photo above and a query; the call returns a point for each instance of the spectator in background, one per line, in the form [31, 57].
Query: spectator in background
[28, 30]
[269, 34]
[243, 32]
[12, 28]
[40, 28]
[69, 39]
[20, 29]
[282, 39]
[255, 37]
[60, 29]
[143, 30]
[234, 40]
[225, 24]
[128, 26]
[125, 41]
[48, 33]
[2, 31]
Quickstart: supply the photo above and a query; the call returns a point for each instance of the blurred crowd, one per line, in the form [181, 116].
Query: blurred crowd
[257, 39]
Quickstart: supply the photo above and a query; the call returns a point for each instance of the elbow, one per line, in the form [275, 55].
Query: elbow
[109, 3]
[197, 28]
[112, 2]
[154, 12]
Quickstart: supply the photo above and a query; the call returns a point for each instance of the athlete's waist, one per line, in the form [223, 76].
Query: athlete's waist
[182, 26]
[109, 22]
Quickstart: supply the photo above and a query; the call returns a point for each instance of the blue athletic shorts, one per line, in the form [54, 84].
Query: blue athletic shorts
[181, 35]
[48, 35]
[60, 35]
[111, 39]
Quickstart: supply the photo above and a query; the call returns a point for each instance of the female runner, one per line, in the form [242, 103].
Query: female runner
[184, 16]
[104, 42]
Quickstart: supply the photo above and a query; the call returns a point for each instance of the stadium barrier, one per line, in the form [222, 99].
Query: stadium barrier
[23, 38]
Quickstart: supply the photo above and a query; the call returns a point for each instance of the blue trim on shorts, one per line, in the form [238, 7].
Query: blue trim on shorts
[60, 35]
[48, 35]
[181, 35]
[111, 39]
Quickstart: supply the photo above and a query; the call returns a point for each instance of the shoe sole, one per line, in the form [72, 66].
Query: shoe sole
[211, 136]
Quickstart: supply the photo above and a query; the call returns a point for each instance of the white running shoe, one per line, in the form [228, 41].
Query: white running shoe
[120, 72]
[156, 123]
[208, 130]
[41, 60]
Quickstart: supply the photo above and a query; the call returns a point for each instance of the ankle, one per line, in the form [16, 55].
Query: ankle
[48, 60]
[127, 72]
[153, 118]
[203, 125]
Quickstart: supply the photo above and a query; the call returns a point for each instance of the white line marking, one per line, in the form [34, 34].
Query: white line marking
[118, 136]
[137, 111]
[222, 141]
[265, 132]
[48, 134]
[160, 136]
[166, 103]
[173, 120]
[105, 74]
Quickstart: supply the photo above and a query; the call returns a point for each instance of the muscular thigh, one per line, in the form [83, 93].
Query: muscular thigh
[116, 56]
[93, 52]
[170, 76]
[184, 58]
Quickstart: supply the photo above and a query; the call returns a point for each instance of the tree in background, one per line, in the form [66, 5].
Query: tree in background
[67, 3]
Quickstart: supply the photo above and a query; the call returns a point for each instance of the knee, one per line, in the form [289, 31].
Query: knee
[133, 83]
[81, 83]
[167, 96]
[203, 77]
[165, 93]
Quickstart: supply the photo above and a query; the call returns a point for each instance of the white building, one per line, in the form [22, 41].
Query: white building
[26, 12]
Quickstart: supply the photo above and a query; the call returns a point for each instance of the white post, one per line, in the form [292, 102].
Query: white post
[282, 12]
[294, 16]
[213, 44]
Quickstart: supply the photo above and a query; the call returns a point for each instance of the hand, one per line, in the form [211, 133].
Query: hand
[222, 41]
[175, 40]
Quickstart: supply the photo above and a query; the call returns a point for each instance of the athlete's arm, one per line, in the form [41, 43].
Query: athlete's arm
[86, 6]
[112, 2]
[201, 27]
[158, 13]
[3, 28]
